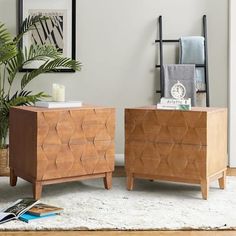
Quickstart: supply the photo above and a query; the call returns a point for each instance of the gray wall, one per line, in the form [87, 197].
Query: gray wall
[115, 44]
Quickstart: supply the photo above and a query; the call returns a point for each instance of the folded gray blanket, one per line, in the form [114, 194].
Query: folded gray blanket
[192, 52]
[185, 74]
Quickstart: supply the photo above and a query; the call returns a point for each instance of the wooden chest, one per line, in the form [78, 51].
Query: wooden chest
[57, 145]
[183, 146]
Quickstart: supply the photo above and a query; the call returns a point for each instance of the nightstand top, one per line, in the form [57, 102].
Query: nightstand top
[43, 109]
[195, 109]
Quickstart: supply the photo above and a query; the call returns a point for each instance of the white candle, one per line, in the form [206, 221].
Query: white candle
[58, 93]
[61, 93]
[54, 92]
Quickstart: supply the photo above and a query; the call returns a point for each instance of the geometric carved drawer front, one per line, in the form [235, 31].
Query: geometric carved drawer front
[75, 142]
[177, 160]
[185, 146]
[60, 145]
[166, 126]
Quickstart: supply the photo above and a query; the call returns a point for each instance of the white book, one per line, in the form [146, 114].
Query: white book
[172, 101]
[174, 107]
[167, 107]
[50, 104]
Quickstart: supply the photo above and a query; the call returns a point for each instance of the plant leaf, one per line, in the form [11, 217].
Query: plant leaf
[5, 36]
[41, 52]
[8, 49]
[48, 66]
[29, 24]
[13, 65]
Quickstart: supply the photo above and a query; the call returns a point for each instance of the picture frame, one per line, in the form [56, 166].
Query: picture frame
[63, 36]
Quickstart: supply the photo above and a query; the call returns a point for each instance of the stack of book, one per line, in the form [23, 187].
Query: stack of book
[51, 104]
[174, 104]
[28, 209]
[40, 211]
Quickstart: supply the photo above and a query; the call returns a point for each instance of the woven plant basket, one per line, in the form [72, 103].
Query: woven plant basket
[4, 162]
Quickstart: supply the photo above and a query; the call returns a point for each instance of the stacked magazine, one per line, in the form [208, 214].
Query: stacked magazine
[28, 209]
[174, 104]
[17, 209]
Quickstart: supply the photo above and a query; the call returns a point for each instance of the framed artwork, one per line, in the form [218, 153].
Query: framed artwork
[59, 30]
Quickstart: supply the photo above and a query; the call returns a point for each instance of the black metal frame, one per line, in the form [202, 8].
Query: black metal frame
[73, 32]
[205, 65]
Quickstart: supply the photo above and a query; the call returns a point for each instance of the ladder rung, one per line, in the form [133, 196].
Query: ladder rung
[198, 91]
[200, 65]
[167, 41]
[197, 65]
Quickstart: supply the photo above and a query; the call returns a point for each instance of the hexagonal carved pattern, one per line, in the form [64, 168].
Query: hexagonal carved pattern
[174, 160]
[166, 126]
[75, 142]
[180, 146]
[166, 143]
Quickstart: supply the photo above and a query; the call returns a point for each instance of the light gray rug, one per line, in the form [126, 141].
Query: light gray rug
[151, 206]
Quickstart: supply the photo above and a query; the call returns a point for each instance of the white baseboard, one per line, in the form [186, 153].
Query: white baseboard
[232, 163]
[119, 159]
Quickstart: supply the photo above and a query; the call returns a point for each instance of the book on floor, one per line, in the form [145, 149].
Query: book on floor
[41, 209]
[26, 217]
[49, 104]
[15, 210]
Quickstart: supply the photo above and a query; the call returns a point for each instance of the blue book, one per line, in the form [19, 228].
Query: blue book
[28, 217]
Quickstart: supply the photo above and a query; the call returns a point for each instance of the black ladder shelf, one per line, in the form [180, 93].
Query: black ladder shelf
[205, 65]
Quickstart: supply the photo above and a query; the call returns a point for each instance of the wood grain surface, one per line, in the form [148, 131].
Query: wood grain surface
[59, 145]
[186, 146]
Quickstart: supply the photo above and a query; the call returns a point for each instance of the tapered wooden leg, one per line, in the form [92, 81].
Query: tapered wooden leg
[222, 180]
[108, 180]
[37, 190]
[130, 181]
[205, 188]
[13, 178]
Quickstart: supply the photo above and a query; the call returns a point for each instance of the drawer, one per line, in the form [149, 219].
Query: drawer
[164, 126]
[177, 160]
[58, 161]
[75, 126]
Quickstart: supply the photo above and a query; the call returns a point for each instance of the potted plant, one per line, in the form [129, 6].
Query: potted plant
[12, 59]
